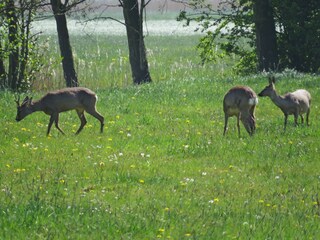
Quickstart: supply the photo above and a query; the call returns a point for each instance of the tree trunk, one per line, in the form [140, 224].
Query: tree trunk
[13, 41]
[2, 69]
[64, 43]
[266, 41]
[137, 51]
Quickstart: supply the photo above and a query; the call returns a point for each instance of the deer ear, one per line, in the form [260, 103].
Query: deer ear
[17, 100]
[272, 79]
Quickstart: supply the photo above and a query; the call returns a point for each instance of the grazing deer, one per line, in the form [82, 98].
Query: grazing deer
[296, 103]
[78, 98]
[240, 102]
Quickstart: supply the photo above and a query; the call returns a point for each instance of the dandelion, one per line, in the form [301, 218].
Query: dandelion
[215, 200]
[182, 183]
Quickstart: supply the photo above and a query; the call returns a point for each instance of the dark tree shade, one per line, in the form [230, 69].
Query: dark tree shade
[70, 75]
[266, 41]
[137, 51]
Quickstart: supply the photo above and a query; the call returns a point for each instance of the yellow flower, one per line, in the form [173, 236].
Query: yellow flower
[141, 181]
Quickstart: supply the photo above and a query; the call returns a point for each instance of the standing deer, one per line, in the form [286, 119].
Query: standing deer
[78, 98]
[240, 102]
[296, 103]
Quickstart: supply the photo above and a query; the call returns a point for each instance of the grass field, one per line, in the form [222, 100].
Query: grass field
[161, 169]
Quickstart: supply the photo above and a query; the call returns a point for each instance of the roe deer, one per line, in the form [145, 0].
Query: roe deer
[240, 102]
[78, 98]
[296, 103]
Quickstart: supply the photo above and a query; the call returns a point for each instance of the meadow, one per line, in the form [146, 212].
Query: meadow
[161, 169]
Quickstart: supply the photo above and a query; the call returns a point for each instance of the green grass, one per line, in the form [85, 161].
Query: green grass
[162, 168]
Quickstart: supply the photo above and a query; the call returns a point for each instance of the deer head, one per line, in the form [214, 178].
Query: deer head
[268, 90]
[24, 109]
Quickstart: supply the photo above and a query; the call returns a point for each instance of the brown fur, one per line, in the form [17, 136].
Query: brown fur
[77, 98]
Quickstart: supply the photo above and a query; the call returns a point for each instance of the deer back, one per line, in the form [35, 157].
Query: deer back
[239, 99]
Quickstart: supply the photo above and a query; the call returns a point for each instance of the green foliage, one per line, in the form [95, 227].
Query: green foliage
[228, 32]
[20, 50]
[298, 36]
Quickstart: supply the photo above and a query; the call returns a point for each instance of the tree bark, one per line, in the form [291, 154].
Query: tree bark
[137, 51]
[70, 75]
[266, 40]
[13, 44]
[2, 69]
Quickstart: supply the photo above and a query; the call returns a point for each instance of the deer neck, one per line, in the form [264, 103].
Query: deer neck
[36, 106]
[277, 99]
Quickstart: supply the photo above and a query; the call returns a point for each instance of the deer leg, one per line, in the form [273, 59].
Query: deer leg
[285, 121]
[296, 116]
[302, 120]
[225, 124]
[50, 124]
[98, 116]
[307, 118]
[57, 123]
[238, 124]
[82, 119]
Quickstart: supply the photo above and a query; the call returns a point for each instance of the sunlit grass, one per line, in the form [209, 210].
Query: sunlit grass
[162, 168]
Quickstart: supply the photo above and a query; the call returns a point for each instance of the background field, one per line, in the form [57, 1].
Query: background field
[162, 168]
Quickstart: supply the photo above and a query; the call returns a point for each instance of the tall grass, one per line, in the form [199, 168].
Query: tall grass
[161, 169]
[102, 61]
